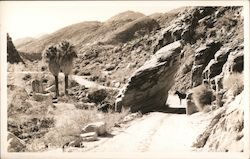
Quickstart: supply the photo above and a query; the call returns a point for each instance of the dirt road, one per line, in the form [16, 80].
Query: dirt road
[155, 132]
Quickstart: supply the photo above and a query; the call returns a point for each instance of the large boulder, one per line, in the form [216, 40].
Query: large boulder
[148, 87]
[97, 95]
[15, 144]
[87, 137]
[37, 86]
[98, 127]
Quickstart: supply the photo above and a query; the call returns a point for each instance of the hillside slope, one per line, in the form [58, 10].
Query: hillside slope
[12, 54]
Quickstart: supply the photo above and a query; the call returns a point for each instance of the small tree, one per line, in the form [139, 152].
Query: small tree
[51, 56]
[66, 55]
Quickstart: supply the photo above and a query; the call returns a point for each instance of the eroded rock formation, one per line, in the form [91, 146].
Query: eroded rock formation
[148, 87]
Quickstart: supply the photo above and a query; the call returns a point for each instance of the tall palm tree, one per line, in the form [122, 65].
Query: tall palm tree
[66, 55]
[51, 56]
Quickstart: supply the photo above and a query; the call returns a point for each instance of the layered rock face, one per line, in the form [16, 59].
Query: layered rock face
[183, 26]
[203, 56]
[148, 87]
[12, 54]
[226, 61]
[225, 56]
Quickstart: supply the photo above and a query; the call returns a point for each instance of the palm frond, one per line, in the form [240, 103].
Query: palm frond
[67, 50]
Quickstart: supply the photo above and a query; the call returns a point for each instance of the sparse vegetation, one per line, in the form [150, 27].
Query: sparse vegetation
[234, 83]
[70, 127]
[202, 96]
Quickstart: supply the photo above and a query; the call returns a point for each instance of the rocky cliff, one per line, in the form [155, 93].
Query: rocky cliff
[212, 48]
[12, 54]
[212, 53]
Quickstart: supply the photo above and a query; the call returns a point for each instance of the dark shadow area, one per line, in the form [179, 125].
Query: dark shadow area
[174, 110]
[167, 110]
[107, 135]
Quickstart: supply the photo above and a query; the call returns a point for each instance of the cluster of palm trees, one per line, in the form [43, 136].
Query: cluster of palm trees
[60, 59]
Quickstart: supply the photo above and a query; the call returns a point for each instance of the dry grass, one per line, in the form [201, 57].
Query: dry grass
[234, 83]
[202, 97]
[114, 118]
[16, 67]
[69, 125]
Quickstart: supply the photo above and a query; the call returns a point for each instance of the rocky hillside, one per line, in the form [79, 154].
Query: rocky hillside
[200, 52]
[211, 49]
[114, 48]
[194, 49]
[12, 54]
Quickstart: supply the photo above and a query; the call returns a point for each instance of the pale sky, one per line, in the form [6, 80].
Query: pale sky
[31, 19]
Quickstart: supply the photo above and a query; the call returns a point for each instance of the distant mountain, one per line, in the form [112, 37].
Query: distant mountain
[23, 41]
[88, 32]
[128, 15]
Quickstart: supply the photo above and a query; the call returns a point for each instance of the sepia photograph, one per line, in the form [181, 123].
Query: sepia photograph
[124, 79]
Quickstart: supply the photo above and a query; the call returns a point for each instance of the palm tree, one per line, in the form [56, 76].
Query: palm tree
[51, 56]
[66, 55]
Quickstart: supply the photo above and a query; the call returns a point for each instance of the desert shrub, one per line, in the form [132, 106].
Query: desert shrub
[202, 96]
[73, 121]
[97, 95]
[27, 77]
[234, 83]
[114, 118]
[44, 68]
[70, 127]
[73, 83]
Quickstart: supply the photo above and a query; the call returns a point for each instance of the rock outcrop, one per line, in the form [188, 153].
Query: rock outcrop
[183, 28]
[12, 54]
[15, 144]
[148, 87]
[98, 127]
[225, 61]
[225, 132]
[203, 56]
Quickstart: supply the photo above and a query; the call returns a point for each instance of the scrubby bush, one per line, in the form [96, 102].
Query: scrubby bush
[73, 121]
[70, 127]
[27, 77]
[234, 83]
[112, 119]
[202, 96]
[97, 95]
